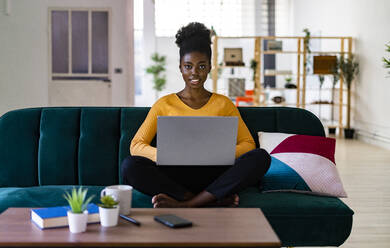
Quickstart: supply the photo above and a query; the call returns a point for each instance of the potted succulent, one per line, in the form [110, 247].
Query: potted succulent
[289, 84]
[108, 211]
[78, 214]
[156, 70]
[349, 68]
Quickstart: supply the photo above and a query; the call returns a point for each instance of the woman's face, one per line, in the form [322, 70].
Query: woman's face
[195, 67]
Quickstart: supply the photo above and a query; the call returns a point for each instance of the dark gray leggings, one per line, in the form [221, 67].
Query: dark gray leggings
[145, 176]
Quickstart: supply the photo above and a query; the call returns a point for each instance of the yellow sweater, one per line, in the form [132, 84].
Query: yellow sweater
[172, 105]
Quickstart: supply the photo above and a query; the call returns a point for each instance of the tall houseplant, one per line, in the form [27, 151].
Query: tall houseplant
[349, 68]
[156, 70]
[335, 78]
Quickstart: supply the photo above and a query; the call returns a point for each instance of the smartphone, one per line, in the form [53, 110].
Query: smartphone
[172, 220]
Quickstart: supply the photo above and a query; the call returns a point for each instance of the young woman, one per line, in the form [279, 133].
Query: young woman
[193, 186]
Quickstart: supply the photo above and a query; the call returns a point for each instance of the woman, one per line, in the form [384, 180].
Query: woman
[193, 186]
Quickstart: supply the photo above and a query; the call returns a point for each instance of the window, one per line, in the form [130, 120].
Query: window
[79, 44]
[228, 17]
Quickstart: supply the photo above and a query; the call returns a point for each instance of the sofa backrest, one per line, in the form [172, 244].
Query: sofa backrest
[85, 145]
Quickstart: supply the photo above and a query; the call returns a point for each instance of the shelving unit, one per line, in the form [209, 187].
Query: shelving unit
[299, 73]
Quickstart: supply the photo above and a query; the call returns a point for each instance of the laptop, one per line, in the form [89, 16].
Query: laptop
[196, 140]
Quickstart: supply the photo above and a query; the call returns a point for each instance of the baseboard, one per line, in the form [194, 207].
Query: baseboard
[373, 138]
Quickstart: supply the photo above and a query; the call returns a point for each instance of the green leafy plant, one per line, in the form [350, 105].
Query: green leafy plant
[289, 84]
[306, 43]
[212, 32]
[321, 78]
[253, 67]
[219, 71]
[77, 200]
[156, 70]
[387, 61]
[349, 68]
[108, 201]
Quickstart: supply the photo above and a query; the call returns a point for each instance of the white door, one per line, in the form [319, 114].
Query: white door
[80, 71]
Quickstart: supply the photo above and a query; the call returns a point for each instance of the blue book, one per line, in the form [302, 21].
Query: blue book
[58, 217]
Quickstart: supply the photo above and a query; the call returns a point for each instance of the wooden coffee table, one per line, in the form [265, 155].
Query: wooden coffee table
[212, 227]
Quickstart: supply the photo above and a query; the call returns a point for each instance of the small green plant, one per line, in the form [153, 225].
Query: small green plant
[156, 70]
[387, 61]
[212, 32]
[253, 67]
[289, 84]
[77, 200]
[321, 78]
[107, 201]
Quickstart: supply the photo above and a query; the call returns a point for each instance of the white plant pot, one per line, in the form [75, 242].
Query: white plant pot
[77, 222]
[109, 216]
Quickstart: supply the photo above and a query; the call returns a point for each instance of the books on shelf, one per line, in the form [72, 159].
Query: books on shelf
[57, 216]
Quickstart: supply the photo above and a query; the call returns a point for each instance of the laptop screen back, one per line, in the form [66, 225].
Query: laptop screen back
[196, 140]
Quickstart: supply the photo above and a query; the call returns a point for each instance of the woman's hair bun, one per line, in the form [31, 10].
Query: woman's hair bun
[193, 30]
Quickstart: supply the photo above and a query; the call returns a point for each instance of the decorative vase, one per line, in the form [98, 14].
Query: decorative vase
[109, 216]
[77, 222]
[349, 133]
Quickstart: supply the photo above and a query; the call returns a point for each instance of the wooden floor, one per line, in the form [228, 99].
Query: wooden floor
[365, 172]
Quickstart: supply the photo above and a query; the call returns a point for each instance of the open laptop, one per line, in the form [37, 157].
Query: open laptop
[196, 140]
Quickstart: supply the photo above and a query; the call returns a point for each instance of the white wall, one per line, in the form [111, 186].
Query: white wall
[367, 22]
[24, 56]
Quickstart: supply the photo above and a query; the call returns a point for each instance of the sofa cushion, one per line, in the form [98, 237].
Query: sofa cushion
[50, 196]
[301, 163]
[99, 146]
[57, 158]
[19, 132]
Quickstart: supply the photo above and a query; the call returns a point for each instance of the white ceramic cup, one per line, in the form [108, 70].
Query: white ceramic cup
[121, 193]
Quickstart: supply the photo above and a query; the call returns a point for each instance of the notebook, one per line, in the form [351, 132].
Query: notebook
[196, 140]
[57, 216]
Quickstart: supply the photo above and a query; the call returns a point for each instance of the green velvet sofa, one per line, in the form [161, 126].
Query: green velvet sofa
[45, 151]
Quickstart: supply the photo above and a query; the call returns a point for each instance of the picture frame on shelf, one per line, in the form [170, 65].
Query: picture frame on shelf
[236, 87]
[233, 57]
[274, 45]
[324, 64]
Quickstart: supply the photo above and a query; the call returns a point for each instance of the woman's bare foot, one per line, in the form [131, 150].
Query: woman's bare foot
[165, 201]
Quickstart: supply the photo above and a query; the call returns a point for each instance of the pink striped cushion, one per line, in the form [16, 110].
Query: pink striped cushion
[309, 160]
